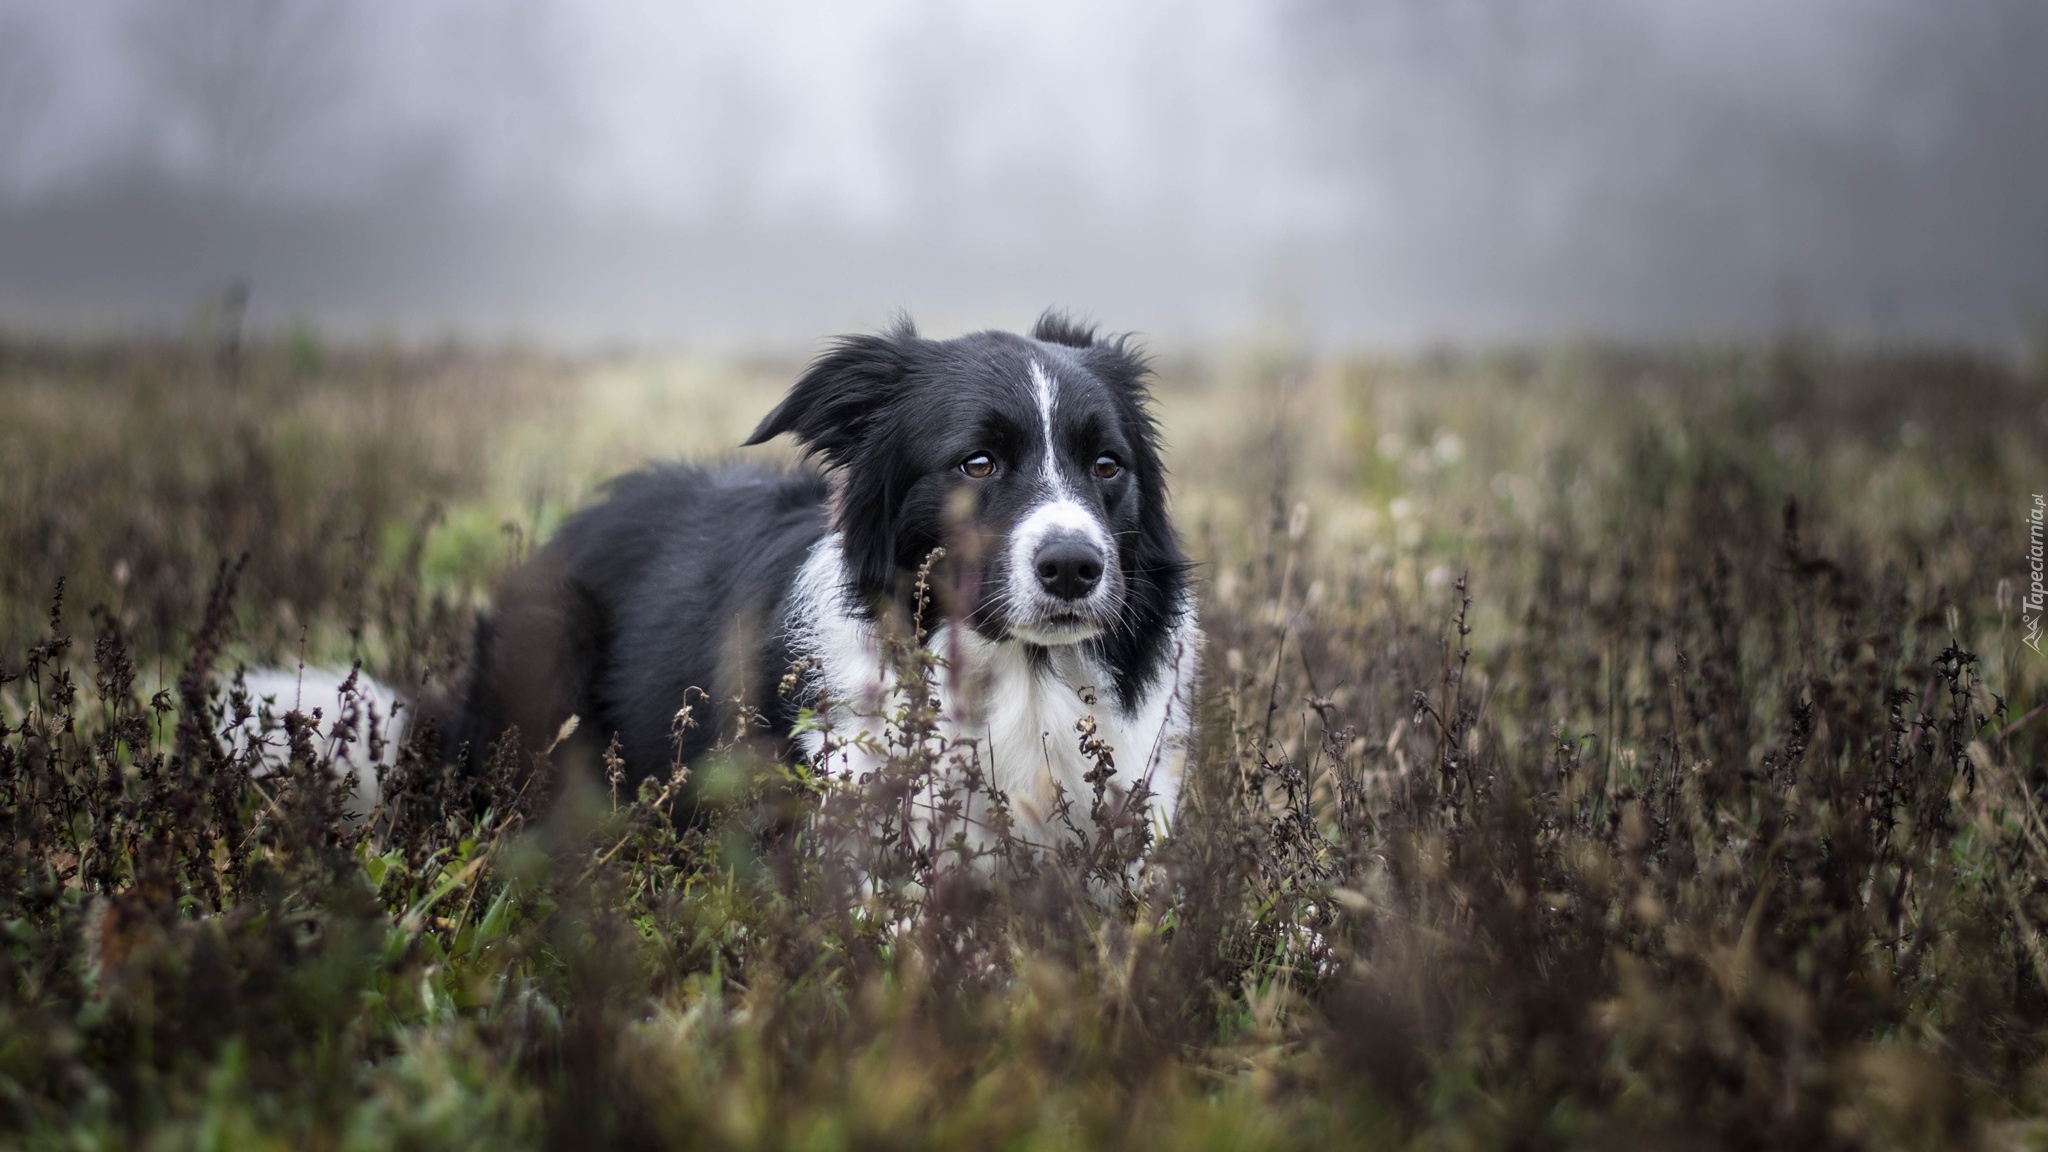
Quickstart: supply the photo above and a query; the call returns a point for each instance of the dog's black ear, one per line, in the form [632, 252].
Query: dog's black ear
[1056, 327]
[832, 406]
[1119, 363]
[1114, 358]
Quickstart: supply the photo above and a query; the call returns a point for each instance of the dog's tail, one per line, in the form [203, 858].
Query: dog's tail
[357, 721]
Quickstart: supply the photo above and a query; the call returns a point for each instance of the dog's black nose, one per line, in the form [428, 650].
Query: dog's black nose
[1068, 568]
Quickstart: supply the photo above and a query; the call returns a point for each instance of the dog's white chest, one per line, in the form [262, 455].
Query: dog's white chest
[1016, 711]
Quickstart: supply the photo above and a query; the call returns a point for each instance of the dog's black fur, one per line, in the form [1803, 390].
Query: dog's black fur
[681, 578]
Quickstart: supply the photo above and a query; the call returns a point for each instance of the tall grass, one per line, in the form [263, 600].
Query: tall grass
[1600, 747]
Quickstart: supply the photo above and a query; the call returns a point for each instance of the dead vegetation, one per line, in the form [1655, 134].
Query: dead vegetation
[1601, 748]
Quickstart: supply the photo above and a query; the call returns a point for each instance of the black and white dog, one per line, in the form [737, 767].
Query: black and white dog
[1032, 460]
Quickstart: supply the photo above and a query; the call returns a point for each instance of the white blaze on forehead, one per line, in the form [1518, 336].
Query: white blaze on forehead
[1062, 512]
[1048, 398]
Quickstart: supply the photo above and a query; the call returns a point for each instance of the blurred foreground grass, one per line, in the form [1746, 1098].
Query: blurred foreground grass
[1710, 820]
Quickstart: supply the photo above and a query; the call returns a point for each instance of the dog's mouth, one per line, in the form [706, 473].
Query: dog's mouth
[1056, 629]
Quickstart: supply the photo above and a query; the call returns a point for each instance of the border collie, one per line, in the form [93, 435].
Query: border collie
[1031, 460]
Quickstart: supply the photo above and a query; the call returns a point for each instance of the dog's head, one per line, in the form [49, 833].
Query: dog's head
[1034, 458]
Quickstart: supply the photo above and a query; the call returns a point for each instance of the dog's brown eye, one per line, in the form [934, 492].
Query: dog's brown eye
[1106, 467]
[980, 466]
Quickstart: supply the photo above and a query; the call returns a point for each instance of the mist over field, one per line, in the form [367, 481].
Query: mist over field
[1352, 172]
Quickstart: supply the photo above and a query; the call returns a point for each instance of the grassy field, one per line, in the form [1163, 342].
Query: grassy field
[1601, 747]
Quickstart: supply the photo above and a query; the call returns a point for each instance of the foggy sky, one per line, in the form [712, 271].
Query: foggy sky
[1351, 170]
